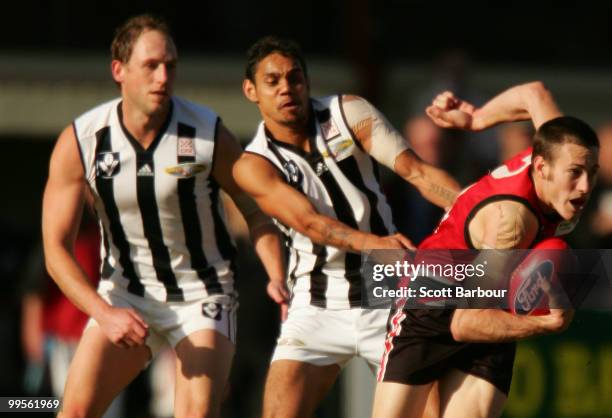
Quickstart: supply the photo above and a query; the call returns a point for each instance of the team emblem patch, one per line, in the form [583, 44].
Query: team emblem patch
[212, 310]
[320, 168]
[107, 164]
[185, 170]
[185, 147]
[294, 175]
[329, 130]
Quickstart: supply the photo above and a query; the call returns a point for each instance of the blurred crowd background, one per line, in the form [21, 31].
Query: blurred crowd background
[54, 65]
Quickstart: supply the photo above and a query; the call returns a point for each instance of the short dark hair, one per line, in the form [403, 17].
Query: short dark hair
[562, 130]
[271, 44]
[127, 34]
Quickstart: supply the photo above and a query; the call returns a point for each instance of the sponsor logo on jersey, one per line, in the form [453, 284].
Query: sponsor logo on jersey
[107, 164]
[531, 291]
[145, 171]
[329, 130]
[185, 147]
[339, 149]
[185, 170]
[212, 310]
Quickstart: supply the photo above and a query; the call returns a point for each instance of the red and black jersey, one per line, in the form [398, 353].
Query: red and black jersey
[510, 181]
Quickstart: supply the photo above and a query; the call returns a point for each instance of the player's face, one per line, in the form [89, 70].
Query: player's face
[569, 178]
[147, 79]
[280, 90]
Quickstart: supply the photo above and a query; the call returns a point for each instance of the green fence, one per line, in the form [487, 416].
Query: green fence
[567, 375]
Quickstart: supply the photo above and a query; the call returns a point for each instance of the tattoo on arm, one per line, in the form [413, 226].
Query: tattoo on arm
[443, 192]
[435, 188]
[338, 236]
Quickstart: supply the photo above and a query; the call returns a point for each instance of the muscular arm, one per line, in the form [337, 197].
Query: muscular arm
[503, 225]
[263, 233]
[260, 179]
[496, 326]
[526, 101]
[387, 146]
[62, 209]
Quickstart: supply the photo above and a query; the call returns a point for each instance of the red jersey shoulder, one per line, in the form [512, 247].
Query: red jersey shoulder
[509, 181]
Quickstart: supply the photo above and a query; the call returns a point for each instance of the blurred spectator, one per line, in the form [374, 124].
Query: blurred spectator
[14, 246]
[513, 138]
[425, 138]
[414, 216]
[601, 220]
[469, 155]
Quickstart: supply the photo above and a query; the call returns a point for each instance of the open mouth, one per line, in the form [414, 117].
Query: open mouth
[579, 202]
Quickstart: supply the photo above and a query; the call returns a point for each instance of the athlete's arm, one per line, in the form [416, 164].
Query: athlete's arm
[260, 179]
[525, 101]
[388, 147]
[264, 235]
[496, 326]
[503, 225]
[62, 209]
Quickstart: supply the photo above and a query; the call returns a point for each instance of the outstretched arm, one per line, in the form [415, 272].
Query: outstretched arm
[262, 181]
[525, 101]
[388, 147]
[264, 234]
[62, 209]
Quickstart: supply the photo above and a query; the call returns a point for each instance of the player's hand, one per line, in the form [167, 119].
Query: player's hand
[560, 317]
[390, 242]
[448, 111]
[278, 292]
[123, 327]
[558, 320]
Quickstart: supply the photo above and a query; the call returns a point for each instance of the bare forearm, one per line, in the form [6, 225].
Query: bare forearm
[267, 243]
[327, 231]
[523, 102]
[436, 185]
[496, 326]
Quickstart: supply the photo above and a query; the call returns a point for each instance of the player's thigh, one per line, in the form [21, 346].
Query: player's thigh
[294, 388]
[203, 363]
[98, 372]
[398, 400]
[463, 394]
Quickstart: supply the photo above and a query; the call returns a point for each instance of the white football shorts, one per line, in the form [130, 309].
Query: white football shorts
[170, 322]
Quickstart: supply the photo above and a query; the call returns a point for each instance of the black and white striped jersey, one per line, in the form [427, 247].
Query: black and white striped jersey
[162, 220]
[340, 179]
